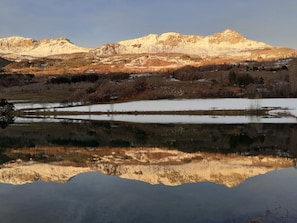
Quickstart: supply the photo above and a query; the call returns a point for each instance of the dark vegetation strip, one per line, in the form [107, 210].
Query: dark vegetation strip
[68, 79]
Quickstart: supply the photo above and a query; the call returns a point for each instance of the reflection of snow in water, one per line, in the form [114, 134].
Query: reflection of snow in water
[165, 119]
[20, 106]
[187, 119]
[190, 104]
[286, 105]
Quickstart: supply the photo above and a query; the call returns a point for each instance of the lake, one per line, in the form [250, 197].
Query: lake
[93, 197]
[151, 168]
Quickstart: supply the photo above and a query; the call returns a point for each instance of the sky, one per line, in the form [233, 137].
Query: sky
[91, 23]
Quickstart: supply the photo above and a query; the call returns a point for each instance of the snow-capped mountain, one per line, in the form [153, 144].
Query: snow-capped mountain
[164, 50]
[21, 46]
[228, 42]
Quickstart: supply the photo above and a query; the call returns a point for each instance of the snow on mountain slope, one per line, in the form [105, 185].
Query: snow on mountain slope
[228, 42]
[165, 50]
[19, 46]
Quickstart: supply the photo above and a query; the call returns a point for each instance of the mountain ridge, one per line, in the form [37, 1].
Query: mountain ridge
[149, 53]
[226, 42]
[23, 46]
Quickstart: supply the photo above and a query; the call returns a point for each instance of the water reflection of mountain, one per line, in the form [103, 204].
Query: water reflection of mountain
[151, 165]
[156, 153]
[276, 139]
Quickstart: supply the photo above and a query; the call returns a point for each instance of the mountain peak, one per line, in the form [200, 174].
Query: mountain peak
[169, 34]
[228, 35]
[231, 32]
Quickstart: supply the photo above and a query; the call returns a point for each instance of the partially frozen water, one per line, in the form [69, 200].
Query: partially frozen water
[281, 110]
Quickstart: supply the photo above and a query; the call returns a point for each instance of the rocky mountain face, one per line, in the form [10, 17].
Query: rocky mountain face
[154, 53]
[19, 46]
[228, 43]
[151, 53]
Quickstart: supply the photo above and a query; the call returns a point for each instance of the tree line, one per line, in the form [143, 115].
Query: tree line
[68, 79]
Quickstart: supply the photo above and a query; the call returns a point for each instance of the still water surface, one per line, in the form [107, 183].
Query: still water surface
[95, 197]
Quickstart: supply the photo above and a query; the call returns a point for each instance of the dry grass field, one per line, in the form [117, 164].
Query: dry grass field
[75, 79]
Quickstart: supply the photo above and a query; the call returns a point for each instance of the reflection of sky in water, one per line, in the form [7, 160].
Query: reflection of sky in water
[94, 197]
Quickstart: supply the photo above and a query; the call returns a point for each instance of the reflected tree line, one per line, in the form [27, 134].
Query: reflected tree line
[247, 139]
[6, 113]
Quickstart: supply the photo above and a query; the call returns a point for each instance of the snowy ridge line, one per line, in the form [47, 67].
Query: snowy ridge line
[227, 42]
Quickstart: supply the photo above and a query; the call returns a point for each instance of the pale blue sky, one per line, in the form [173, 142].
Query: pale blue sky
[90, 23]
